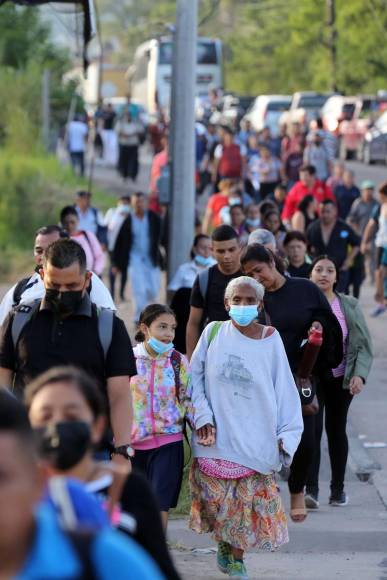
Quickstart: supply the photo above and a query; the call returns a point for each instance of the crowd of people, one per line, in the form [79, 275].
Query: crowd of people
[258, 342]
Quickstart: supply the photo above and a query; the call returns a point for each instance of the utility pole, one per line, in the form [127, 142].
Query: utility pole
[46, 108]
[182, 138]
[332, 40]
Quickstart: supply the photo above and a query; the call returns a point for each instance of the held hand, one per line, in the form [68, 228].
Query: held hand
[115, 270]
[356, 385]
[206, 435]
[317, 325]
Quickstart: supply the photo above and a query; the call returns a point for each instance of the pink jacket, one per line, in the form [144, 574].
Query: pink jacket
[95, 258]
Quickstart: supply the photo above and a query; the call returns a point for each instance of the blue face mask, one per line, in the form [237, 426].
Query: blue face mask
[253, 223]
[202, 261]
[243, 315]
[158, 346]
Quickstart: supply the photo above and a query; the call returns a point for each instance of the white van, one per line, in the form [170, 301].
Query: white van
[266, 111]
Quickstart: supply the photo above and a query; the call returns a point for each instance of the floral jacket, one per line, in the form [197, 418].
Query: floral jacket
[156, 409]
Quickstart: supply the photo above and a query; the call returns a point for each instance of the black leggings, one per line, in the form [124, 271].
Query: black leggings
[336, 401]
[303, 457]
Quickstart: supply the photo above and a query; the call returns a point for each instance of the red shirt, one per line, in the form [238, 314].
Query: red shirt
[320, 192]
[216, 203]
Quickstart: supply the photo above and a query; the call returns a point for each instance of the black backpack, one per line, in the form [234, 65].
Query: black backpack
[25, 312]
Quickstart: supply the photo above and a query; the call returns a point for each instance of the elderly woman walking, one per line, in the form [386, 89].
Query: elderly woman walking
[248, 423]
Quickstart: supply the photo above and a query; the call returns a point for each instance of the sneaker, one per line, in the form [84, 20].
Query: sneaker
[380, 309]
[224, 557]
[237, 570]
[311, 501]
[338, 498]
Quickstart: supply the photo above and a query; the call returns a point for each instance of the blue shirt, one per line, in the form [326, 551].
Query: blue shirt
[52, 556]
[141, 238]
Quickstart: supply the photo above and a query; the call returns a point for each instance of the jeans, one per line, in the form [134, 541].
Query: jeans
[303, 457]
[335, 401]
[78, 162]
[145, 281]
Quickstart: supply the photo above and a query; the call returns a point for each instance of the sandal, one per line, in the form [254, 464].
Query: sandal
[298, 514]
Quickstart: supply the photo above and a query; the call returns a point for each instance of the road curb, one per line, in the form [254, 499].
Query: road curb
[360, 461]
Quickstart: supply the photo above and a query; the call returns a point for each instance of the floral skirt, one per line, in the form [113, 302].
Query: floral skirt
[246, 512]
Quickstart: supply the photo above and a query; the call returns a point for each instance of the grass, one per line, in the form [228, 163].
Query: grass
[34, 187]
[184, 504]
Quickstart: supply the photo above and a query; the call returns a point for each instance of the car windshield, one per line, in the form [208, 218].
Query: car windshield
[312, 102]
[278, 106]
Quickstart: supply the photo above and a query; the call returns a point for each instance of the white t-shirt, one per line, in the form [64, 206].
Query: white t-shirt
[99, 295]
[77, 132]
[186, 274]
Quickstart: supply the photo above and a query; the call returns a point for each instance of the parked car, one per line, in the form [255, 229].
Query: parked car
[336, 110]
[375, 142]
[233, 109]
[352, 133]
[266, 111]
[305, 107]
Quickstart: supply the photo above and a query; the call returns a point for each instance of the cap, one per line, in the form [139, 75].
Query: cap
[83, 194]
[367, 184]
[262, 236]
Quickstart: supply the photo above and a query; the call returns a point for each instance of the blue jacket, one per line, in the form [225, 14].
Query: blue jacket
[53, 557]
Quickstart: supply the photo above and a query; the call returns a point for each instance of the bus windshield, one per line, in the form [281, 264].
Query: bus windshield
[206, 53]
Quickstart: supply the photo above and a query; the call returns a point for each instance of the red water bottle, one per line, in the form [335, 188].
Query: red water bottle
[310, 354]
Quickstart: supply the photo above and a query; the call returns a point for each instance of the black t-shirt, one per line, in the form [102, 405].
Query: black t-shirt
[292, 309]
[108, 120]
[47, 341]
[302, 271]
[213, 303]
[341, 238]
[139, 517]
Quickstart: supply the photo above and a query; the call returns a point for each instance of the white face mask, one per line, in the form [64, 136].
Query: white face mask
[234, 200]
[124, 209]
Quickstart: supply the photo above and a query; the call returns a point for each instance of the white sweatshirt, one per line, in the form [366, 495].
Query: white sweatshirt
[245, 388]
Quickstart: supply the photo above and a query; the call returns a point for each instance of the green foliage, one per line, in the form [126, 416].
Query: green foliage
[276, 45]
[33, 189]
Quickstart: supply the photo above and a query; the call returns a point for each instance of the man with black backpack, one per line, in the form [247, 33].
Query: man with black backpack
[31, 287]
[67, 328]
[207, 297]
[32, 543]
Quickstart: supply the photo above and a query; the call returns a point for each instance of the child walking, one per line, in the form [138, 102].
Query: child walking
[161, 393]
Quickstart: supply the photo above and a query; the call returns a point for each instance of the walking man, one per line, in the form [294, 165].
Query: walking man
[65, 327]
[137, 247]
[207, 297]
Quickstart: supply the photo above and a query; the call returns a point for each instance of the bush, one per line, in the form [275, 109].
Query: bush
[33, 189]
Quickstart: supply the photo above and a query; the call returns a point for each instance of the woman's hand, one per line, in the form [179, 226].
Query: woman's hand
[206, 435]
[356, 385]
[317, 325]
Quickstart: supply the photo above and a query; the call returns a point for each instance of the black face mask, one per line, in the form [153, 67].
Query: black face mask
[64, 302]
[64, 444]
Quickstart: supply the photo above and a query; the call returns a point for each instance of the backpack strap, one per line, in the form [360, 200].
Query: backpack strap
[203, 278]
[214, 330]
[105, 328]
[82, 542]
[22, 316]
[23, 285]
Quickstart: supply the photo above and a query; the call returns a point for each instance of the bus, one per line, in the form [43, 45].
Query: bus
[150, 75]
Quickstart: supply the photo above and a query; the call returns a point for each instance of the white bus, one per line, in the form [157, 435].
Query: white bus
[150, 75]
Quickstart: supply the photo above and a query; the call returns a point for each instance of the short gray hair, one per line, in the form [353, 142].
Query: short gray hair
[244, 281]
[262, 236]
